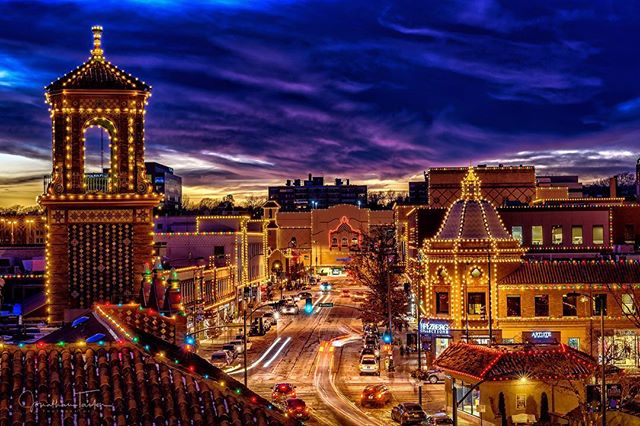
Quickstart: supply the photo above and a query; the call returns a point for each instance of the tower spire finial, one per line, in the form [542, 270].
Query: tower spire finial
[97, 41]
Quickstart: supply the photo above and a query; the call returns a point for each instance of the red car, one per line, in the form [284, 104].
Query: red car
[296, 409]
[378, 395]
[282, 392]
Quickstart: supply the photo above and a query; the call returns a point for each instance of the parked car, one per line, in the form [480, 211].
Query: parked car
[283, 391]
[290, 309]
[435, 376]
[325, 286]
[369, 365]
[408, 413]
[230, 349]
[220, 359]
[296, 409]
[368, 351]
[377, 395]
[439, 419]
[272, 317]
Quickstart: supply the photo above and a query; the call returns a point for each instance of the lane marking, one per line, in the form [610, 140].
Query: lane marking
[256, 362]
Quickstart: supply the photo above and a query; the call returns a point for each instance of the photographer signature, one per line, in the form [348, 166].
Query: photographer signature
[57, 405]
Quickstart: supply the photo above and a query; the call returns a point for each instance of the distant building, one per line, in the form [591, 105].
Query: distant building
[502, 185]
[297, 195]
[418, 192]
[568, 187]
[165, 182]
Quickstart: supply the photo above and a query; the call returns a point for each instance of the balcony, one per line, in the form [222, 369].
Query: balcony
[92, 182]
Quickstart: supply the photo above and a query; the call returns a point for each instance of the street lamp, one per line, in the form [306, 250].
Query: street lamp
[603, 386]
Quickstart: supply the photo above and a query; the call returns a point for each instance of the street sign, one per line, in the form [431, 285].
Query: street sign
[326, 305]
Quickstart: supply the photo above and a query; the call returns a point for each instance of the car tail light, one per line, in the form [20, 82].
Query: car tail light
[379, 396]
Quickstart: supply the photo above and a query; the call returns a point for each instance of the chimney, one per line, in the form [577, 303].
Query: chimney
[613, 186]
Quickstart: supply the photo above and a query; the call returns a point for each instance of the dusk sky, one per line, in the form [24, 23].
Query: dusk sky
[248, 93]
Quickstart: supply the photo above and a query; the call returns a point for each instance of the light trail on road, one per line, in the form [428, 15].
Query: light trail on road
[256, 362]
[268, 363]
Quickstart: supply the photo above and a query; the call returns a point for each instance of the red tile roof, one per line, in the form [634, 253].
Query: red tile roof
[116, 384]
[575, 272]
[512, 362]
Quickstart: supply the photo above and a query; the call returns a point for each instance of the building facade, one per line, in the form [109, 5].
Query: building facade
[167, 183]
[313, 193]
[321, 239]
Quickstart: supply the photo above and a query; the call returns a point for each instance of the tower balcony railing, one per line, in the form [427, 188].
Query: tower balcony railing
[93, 183]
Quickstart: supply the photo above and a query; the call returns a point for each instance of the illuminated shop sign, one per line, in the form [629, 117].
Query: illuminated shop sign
[541, 336]
[438, 328]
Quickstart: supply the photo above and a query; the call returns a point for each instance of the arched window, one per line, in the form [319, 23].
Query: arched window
[344, 244]
[97, 158]
[334, 242]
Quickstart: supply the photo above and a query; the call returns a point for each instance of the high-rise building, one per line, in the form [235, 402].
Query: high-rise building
[165, 182]
[419, 192]
[298, 195]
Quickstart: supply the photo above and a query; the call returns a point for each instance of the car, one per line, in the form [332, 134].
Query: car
[239, 345]
[376, 395]
[371, 341]
[290, 309]
[296, 297]
[230, 349]
[407, 413]
[369, 351]
[305, 295]
[345, 292]
[282, 391]
[272, 317]
[220, 359]
[325, 286]
[435, 376]
[371, 329]
[439, 419]
[369, 365]
[296, 409]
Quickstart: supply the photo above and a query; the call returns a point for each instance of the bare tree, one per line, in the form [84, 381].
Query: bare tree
[374, 267]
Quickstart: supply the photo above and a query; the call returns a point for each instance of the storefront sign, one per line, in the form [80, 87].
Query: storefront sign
[437, 328]
[541, 336]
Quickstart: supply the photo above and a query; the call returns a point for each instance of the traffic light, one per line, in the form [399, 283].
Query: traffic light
[308, 306]
[387, 337]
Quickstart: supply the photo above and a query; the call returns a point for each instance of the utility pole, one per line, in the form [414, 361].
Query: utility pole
[245, 344]
[418, 335]
[603, 386]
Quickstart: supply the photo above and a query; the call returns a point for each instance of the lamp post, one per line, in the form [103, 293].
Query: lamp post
[603, 385]
[419, 335]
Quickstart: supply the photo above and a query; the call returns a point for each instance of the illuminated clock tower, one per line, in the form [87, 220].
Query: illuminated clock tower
[99, 224]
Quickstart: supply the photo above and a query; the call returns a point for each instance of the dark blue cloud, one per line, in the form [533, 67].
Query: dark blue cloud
[249, 92]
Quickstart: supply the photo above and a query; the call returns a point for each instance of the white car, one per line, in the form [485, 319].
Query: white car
[290, 309]
[220, 359]
[369, 365]
[239, 345]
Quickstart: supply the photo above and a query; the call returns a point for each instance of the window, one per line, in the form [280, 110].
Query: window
[334, 242]
[476, 303]
[344, 242]
[442, 303]
[541, 303]
[569, 305]
[516, 233]
[513, 306]
[629, 234]
[556, 234]
[475, 272]
[576, 234]
[574, 342]
[536, 235]
[628, 305]
[218, 251]
[600, 304]
[598, 234]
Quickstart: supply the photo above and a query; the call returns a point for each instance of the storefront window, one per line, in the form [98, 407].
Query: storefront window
[536, 235]
[600, 304]
[622, 349]
[598, 234]
[576, 234]
[513, 306]
[542, 305]
[442, 303]
[628, 305]
[470, 403]
[569, 305]
[476, 303]
[556, 234]
[516, 233]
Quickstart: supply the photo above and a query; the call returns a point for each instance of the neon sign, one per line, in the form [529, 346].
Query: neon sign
[541, 335]
[434, 327]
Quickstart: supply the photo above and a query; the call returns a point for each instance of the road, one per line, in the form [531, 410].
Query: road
[319, 354]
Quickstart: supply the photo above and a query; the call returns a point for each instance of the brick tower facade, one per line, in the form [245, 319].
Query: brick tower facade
[100, 225]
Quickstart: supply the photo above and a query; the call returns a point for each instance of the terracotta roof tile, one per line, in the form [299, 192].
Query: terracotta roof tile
[512, 362]
[575, 272]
